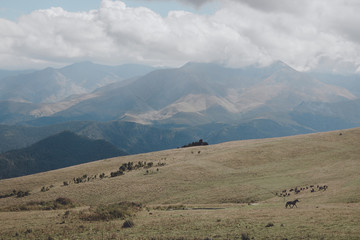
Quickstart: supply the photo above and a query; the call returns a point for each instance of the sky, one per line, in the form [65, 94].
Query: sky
[308, 35]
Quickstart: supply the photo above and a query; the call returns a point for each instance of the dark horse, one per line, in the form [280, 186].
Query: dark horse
[292, 203]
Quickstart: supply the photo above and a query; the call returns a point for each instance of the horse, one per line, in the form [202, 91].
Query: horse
[292, 203]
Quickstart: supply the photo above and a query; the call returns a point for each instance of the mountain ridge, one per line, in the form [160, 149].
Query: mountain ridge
[53, 85]
[163, 93]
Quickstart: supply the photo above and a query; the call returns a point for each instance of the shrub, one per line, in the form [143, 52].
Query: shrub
[193, 144]
[123, 167]
[78, 180]
[140, 164]
[117, 173]
[64, 201]
[269, 225]
[128, 224]
[120, 210]
[22, 194]
[130, 166]
[13, 193]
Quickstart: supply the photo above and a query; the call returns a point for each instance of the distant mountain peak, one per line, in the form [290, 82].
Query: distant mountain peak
[194, 65]
[280, 65]
[47, 70]
[80, 65]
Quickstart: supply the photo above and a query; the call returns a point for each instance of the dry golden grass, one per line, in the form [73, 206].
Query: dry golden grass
[216, 187]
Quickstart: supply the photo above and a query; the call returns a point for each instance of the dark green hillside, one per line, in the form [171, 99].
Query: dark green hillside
[132, 137]
[57, 151]
[138, 138]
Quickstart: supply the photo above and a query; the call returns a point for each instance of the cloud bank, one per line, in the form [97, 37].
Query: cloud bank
[311, 34]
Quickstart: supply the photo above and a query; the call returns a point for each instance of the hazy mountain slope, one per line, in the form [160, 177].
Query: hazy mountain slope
[328, 116]
[8, 73]
[47, 85]
[14, 111]
[349, 110]
[58, 151]
[147, 94]
[287, 88]
[110, 105]
[217, 93]
[52, 85]
[194, 91]
[91, 76]
[350, 82]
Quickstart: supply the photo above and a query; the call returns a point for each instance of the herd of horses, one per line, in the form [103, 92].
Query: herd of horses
[296, 190]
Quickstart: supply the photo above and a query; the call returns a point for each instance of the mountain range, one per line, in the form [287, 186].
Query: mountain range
[53, 85]
[193, 94]
[26, 95]
[141, 109]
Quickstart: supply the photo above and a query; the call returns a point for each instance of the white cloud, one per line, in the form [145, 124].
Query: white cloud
[307, 35]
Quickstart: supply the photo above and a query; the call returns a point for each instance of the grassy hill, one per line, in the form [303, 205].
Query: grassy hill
[233, 190]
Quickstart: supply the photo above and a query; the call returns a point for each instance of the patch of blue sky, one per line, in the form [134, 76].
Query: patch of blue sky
[164, 7]
[13, 9]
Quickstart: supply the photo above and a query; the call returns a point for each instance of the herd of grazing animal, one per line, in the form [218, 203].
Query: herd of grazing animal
[288, 192]
[297, 190]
